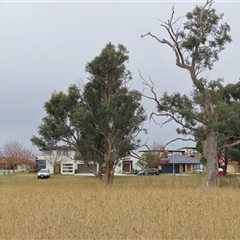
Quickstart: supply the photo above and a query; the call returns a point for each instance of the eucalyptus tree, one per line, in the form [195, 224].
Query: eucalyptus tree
[99, 120]
[227, 122]
[196, 45]
[228, 125]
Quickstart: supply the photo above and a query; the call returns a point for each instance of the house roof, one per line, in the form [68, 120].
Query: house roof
[169, 150]
[179, 159]
[151, 151]
[193, 148]
[62, 147]
[17, 161]
[3, 161]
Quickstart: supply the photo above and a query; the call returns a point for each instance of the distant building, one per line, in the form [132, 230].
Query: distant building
[181, 160]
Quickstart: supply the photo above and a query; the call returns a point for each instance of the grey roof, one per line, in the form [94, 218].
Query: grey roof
[179, 159]
[62, 147]
[187, 148]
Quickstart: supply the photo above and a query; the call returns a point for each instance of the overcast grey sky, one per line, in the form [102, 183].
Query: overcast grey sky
[45, 46]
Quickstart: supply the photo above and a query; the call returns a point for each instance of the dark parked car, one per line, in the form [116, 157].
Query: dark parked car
[149, 171]
[44, 173]
[136, 171]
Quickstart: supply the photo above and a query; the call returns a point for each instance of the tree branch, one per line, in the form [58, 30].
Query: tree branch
[166, 108]
[229, 145]
[183, 139]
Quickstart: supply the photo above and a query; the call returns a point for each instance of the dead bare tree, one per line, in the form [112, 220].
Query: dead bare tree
[15, 154]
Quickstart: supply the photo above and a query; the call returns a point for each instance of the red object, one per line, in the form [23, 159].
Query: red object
[220, 171]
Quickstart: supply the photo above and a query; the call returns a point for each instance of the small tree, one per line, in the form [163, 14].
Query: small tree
[15, 154]
[148, 160]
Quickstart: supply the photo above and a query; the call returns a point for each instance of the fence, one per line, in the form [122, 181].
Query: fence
[3, 172]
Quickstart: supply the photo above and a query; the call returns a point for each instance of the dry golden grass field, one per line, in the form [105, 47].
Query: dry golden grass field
[158, 207]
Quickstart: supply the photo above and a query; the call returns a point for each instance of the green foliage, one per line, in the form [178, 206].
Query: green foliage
[198, 44]
[100, 120]
[206, 114]
[148, 160]
[203, 36]
[165, 153]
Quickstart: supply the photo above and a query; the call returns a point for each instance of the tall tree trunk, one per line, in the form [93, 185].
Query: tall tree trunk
[210, 153]
[107, 178]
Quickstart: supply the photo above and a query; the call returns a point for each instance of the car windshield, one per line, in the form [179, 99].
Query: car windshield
[43, 171]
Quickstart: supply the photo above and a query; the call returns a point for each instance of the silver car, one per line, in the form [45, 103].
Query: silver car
[44, 173]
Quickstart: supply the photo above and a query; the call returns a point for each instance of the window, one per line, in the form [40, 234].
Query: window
[41, 164]
[198, 168]
[67, 168]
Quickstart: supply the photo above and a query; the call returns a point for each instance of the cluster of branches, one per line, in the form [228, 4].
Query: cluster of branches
[211, 113]
[13, 153]
[99, 120]
[150, 158]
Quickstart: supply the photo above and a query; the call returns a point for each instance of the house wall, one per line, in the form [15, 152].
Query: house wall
[21, 168]
[133, 160]
[189, 151]
[181, 169]
[69, 166]
[66, 161]
[189, 168]
[232, 168]
[61, 156]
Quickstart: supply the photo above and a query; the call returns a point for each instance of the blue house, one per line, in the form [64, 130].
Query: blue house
[181, 164]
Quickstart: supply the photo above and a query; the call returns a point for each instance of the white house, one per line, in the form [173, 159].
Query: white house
[64, 160]
[189, 151]
[127, 164]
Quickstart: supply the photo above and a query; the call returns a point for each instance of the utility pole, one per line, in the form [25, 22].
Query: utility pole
[173, 162]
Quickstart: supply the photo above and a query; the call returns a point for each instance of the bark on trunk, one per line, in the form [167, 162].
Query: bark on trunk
[107, 178]
[210, 153]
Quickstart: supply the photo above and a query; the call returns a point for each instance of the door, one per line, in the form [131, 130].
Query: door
[82, 169]
[58, 168]
[169, 168]
[126, 167]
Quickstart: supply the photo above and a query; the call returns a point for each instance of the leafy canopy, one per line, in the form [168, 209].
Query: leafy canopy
[99, 120]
